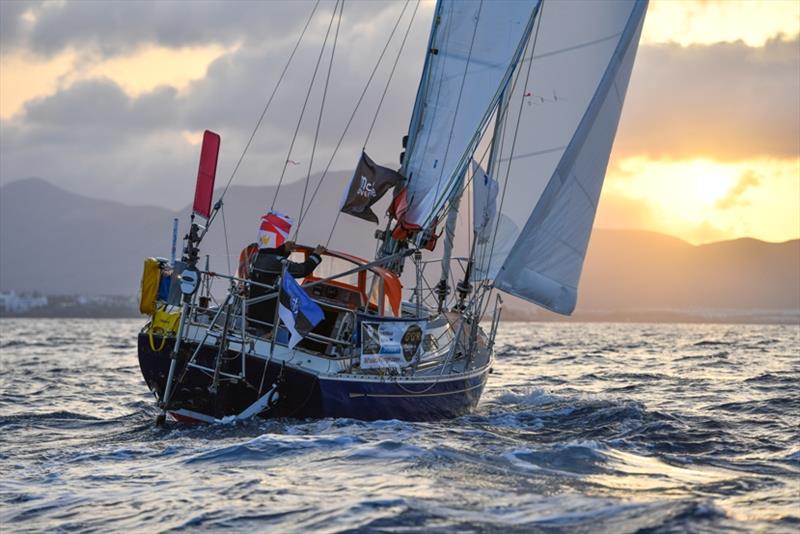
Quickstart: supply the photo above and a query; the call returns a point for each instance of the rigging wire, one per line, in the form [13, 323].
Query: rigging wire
[499, 147]
[454, 177]
[305, 104]
[269, 101]
[380, 103]
[498, 144]
[319, 120]
[481, 253]
[468, 182]
[391, 74]
[358, 104]
[470, 197]
[464, 188]
[225, 231]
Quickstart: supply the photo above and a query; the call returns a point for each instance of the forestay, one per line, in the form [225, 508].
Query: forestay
[473, 50]
[554, 147]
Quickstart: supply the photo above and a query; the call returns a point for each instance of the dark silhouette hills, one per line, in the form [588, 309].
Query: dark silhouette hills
[56, 242]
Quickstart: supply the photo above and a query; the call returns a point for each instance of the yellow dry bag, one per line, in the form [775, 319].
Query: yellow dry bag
[151, 277]
[165, 324]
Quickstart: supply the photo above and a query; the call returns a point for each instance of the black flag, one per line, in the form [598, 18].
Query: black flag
[370, 182]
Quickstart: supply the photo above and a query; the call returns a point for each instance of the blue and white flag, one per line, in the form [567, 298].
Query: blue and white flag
[298, 312]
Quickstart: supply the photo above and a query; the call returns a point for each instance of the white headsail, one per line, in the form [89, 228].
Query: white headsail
[555, 144]
[474, 48]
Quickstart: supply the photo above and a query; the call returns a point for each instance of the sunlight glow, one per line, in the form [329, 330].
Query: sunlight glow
[24, 76]
[702, 200]
[689, 22]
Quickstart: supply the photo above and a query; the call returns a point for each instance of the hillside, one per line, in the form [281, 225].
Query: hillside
[56, 242]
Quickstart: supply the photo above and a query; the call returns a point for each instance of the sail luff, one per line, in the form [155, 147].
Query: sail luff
[545, 262]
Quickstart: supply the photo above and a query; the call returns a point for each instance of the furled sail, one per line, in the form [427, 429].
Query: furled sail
[484, 203]
[555, 145]
[474, 47]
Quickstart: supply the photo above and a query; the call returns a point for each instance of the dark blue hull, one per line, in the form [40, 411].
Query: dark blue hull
[303, 394]
[299, 391]
[418, 401]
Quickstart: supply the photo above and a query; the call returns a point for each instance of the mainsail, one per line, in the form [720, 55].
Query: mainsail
[474, 48]
[554, 146]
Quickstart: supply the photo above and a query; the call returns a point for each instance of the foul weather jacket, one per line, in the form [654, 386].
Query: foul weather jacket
[267, 267]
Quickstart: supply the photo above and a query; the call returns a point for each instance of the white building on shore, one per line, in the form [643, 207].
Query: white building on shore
[10, 302]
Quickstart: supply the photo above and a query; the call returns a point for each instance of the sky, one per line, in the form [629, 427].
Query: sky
[110, 99]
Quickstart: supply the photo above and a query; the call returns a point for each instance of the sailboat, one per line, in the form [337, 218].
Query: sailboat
[514, 120]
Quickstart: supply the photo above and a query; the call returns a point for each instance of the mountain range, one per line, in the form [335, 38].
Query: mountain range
[56, 242]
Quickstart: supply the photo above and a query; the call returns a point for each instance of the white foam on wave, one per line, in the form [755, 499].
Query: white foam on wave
[584, 444]
[528, 396]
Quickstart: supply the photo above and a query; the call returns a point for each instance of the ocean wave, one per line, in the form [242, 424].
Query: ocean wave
[713, 343]
[583, 427]
[272, 446]
[529, 397]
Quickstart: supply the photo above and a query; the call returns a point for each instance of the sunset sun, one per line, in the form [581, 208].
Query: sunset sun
[704, 200]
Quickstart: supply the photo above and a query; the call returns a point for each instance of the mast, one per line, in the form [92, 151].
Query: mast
[443, 288]
[465, 287]
[467, 68]
[388, 245]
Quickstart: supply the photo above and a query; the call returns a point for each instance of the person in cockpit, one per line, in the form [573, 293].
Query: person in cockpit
[267, 267]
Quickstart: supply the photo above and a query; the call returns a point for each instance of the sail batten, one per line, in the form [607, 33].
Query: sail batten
[577, 46]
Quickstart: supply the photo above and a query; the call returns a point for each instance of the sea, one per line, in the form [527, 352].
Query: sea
[583, 427]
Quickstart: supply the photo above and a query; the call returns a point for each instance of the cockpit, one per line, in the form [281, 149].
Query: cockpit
[345, 289]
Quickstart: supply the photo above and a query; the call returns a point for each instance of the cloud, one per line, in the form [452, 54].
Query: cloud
[100, 105]
[727, 101]
[113, 28]
[12, 23]
[734, 197]
[93, 138]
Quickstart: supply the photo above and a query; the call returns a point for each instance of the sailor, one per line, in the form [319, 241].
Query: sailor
[267, 267]
[268, 263]
[263, 262]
